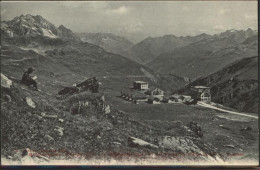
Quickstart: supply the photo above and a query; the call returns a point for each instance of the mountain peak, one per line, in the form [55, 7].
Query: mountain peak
[35, 25]
[62, 27]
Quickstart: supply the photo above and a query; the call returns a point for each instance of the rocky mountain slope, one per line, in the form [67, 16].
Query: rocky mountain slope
[71, 60]
[42, 129]
[148, 49]
[108, 41]
[234, 86]
[208, 55]
[30, 26]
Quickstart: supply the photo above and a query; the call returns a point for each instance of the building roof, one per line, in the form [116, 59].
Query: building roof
[141, 82]
[201, 87]
[176, 96]
[186, 96]
[155, 99]
[155, 88]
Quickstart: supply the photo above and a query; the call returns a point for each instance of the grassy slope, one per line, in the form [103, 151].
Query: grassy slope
[21, 122]
[235, 86]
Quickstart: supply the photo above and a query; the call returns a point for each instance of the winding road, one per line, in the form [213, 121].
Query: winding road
[223, 110]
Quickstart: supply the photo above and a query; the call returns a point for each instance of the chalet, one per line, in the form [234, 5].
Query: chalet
[155, 92]
[180, 98]
[140, 85]
[201, 93]
[169, 99]
[154, 100]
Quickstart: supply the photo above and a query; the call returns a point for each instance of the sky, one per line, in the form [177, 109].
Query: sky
[136, 20]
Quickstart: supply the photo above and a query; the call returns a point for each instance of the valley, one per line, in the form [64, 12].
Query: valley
[107, 129]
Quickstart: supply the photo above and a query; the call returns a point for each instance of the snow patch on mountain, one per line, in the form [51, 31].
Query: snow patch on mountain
[48, 33]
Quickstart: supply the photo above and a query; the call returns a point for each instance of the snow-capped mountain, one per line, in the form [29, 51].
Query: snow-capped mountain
[31, 26]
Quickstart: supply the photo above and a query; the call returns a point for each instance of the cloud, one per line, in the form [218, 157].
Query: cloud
[219, 27]
[223, 11]
[119, 10]
[131, 26]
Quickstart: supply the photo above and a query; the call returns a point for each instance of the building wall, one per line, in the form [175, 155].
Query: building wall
[140, 86]
[144, 86]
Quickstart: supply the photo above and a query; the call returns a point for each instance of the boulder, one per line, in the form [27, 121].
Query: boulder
[135, 142]
[45, 115]
[7, 98]
[107, 109]
[223, 127]
[230, 146]
[246, 129]
[5, 82]
[59, 130]
[38, 117]
[178, 143]
[48, 137]
[30, 102]
[116, 143]
[28, 157]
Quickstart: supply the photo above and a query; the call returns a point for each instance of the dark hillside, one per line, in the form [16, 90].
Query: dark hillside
[235, 86]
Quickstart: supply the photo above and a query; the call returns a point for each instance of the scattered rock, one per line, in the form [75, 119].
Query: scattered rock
[102, 98]
[39, 117]
[179, 143]
[246, 129]
[223, 127]
[5, 82]
[98, 137]
[107, 109]
[27, 156]
[30, 102]
[7, 98]
[135, 142]
[48, 137]
[117, 143]
[45, 115]
[59, 130]
[9, 157]
[61, 120]
[230, 146]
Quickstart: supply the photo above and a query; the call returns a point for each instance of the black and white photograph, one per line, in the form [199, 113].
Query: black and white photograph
[129, 83]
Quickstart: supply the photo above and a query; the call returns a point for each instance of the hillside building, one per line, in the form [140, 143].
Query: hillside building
[202, 93]
[156, 92]
[154, 100]
[140, 85]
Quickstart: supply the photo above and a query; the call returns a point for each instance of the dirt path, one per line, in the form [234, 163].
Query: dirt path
[223, 110]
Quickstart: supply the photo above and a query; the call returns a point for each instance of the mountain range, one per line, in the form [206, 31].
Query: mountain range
[102, 125]
[31, 26]
[108, 41]
[30, 41]
[207, 55]
[149, 48]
